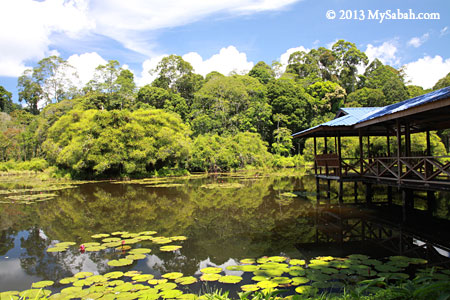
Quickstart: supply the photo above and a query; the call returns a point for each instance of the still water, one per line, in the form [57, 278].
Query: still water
[225, 218]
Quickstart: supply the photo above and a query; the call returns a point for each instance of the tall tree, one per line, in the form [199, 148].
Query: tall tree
[263, 72]
[442, 83]
[30, 91]
[6, 104]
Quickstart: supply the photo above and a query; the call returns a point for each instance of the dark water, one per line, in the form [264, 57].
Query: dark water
[223, 225]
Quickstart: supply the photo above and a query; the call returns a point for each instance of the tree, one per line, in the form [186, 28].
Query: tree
[304, 65]
[283, 141]
[163, 99]
[348, 58]
[126, 89]
[29, 91]
[6, 104]
[262, 72]
[442, 83]
[415, 90]
[328, 97]
[366, 97]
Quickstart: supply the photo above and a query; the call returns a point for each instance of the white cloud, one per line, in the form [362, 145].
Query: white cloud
[227, 60]
[418, 41]
[426, 71]
[386, 53]
[27, 27]
[147, 66]
[85, 65]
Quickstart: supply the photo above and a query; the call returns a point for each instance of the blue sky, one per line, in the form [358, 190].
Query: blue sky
[225, 36]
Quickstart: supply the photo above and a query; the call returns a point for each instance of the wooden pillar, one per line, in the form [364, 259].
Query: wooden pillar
[407, 202]
[389, 194]
[361, 153]
[339, 152]
[355, 191]
[407, 140]
[368, 146]
[315, 154]
[431, 202]
[399, 150]
[326, 151]
[428, 144]
[388, 142]
[369, 193]
[335, 145]
[328, 190]
[428, 166]
[318, 191]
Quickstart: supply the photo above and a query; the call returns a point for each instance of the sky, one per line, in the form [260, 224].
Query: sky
[220, 35]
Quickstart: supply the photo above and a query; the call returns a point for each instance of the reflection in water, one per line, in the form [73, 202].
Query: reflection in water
[222, 225]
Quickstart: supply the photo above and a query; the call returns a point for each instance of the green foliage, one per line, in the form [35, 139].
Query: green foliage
[442, 83]
[223, 153]
[283, 141]
[262, 72]
[329, 97]
[6, 104]
[162, 99]
[365, 97]
[117, 142]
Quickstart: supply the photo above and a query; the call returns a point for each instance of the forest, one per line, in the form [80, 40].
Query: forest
[184, 122]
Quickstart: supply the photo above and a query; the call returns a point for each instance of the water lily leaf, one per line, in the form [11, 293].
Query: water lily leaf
[178, 238]
[95, 249]
[230, 279]
[145, 238]
[156, 281]
[171, 294]
[267, 284]
[42, 284]
[393, 275]
[234, 268]
[111, 239]
[186, 280]
[399, 263]
[247, 261]
[172, 275]
[297, 273]
[100, 235]
[71, 290]
[112, 244]
[225, 185]
[64, 244]
[93, 296]
[34, 293]
[119, 233]
[262, 260]
[418, 261]
[115, 282]
[91, 244]
[129, 235]
[126, 287]
[68, 280]
[387, 268]
[57, 249]
[83, 274]
[136, 256]
[321, 284]
[170, 248]
[281, 280]
[150, 232]
[297, 262]
[97, 278]
[9, 295]
[306, 290]
[211, 270]
[123, 248]
[120, 262]
[269, 272]
[210, 277]
[250, 287]
[114, 275]
[187, 297]
[319, 277]
[142, 277]
[260, 278]
[82, 282]
[358, 256]
[299, 280]
[161, 240]
[166, 286]
[274, 265]
[277, 258]
[329, 271]
[140, 251]
[130, 241]
[249, 268]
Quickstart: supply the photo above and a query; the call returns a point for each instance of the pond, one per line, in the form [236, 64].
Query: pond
[224, 218]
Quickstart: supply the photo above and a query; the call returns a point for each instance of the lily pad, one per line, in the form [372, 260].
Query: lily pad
[178, 238]
[166, 286]
[140, 251]
[297, 262]
[57, 249]
[120, 262]
[123, 248]
[299, 280]
[281, 280]
[230, 279]
[211, 270]
[100, 235]
[119, 233]
[186, 280]
[170, 248]
[136, 256]
[210, 277]
[34, 293]
[297, 273]
[130, 241]
[112, 244]
[306, 289]
[68, 280]
[172, 275]
[260, 278]
[156, 281]
[171, 294]
[249, 268]
[250, 287]
[71, 290]
[42, 284]
[83, 274]
[64, 244]
[247, 261]
[150, 232]
[277, 258]
[91, 244]
[111, 239]
[358, 256]
[187, 297]
[161, 240]
[267, 284]
[142, 277]
[95, 249]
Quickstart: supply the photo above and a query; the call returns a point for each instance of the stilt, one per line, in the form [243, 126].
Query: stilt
[369, 193]
[341, 192]
[431, 202]
[355, 191]
[389, 194]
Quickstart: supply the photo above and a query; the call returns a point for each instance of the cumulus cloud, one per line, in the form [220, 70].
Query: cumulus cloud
[226, 61]
[20, 41]
[386, 53]
[85, 65]
[427, 71]
[418, 41]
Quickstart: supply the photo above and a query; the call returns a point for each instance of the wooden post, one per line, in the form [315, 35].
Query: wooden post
[368, 193]
[315, 155]
[341, 192]
[389, 194]
[355, 191]
[399, 149]
[431, 202]
[361, 153]
[428, 167]
[326, 151]
[407, 140]
[318, 191]
[339, 151]
[335, 145]
[388, 143]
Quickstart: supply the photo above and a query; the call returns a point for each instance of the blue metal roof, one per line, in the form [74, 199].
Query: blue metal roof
[406, 104]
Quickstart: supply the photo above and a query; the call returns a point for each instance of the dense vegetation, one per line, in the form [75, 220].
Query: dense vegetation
[184, 121]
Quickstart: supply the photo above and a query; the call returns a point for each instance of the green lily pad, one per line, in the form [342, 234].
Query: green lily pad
[247, 261]
[269, 272]
[136, 256]
[140, 251]
[97, 278]
[82, 282]
[262, 260]
[166, 286]
[83, 274]
[130, 241]
[57, 249]
[171, 294]
[95, 249]
[387, 268]
[145, 237]
[172, 275]
[277, 258]
[100, 235]
[249, 268]
[234, 268]
[230, 279]
[186, 280]
[156, 281]
[297, 262]
[126, 287]
[119, 233]
[210, 277]
[93, 296]
[120, 262]
[114, 275]
[9, 295]
[187, 297]
[150, 232]
[274, 265]
[64, 244]
[170, 248]
[111, 239]
[329, 271]
[91, 244]
[306, 290]
[112, 244]
[71, 290]
[358, 256]
[161, 240]
[42, 284]
[267, 284]
[260, 278]
[123, 248]
[418, 261]
[394, 275]
[321, 284]
[250, 287]
[281, 280]
[211, 270]
[178, 238]
[34, 293]
[129, 235]
[68, 280]
[299, 280]
[142, 277]
[297, 273]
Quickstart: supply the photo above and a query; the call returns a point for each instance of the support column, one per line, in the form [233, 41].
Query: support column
[355, 191]
[326, 152]
[315, 154]
[407, 140]
[369, 193]
[407, 202]
[431, 202]
[389, 194]
[388, 143]
[428, 166]
[341, 192]
[399, 150]
[361, 153]
[339, 154]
